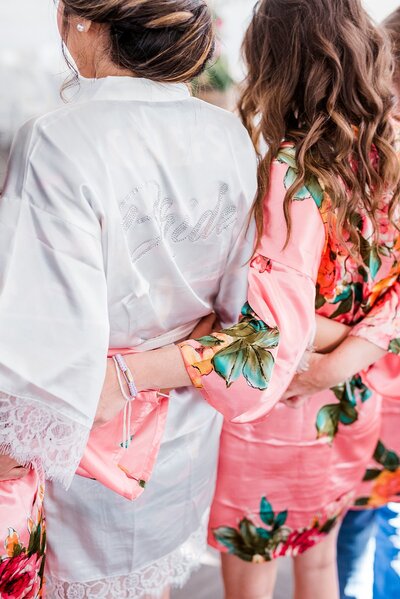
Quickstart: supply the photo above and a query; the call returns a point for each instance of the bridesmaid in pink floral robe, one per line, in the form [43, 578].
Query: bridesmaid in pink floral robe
[284, 482]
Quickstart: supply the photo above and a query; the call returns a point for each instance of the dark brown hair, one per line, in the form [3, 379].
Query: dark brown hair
[319, 75]
[392, 26]
[162, 40]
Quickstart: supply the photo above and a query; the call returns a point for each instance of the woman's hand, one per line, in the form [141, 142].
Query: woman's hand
[111, 400]
[311, 381]
[10, 469]
[206, 326]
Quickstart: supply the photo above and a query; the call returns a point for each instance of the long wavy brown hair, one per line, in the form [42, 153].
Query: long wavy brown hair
[320, 76]
[392, 27]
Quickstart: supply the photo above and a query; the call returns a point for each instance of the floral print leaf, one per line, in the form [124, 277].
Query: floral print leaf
[242, 329]
[328, 421]
[394, 346]
[320, 301]
[375, 262]
[243, 352]
[345, 305]
[257, 544]
[362, 502]
[311, 189]
[229, 362]
[290, 178]
[232, 540]
[371, 474]
[258, 367]
[248, 532]
[288, 156]
[280, 519]
[315, 190]
[264, 533]
[348, 413]
[328, 526]
[210, 341]
[386, 458]
[267, 514]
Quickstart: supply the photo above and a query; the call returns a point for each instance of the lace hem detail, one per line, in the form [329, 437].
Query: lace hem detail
[33, 434]
[173, 570]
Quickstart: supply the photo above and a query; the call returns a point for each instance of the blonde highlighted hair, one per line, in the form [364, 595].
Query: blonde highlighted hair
[163, 40]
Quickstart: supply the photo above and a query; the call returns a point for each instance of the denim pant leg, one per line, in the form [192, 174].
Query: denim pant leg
[387, 556]
[356, 554]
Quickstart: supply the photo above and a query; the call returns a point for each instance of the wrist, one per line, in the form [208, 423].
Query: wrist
[322, 371]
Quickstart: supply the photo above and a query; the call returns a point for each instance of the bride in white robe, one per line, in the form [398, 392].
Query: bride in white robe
[124, 221]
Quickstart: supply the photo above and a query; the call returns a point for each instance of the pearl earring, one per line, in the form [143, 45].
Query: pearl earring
[80, 27]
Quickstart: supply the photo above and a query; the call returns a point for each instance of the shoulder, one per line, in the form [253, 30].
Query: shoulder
[36, 140]
[46, 126]
[224, 120]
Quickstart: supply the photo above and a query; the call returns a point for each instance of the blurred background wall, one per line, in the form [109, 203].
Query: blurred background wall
[31, 67]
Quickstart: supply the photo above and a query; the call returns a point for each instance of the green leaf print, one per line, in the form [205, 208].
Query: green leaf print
[348, 413]
[362, 502]
[386, 458]
[248, 354]
[280, 519]
[375, 262]
[344, 412]
[345, 305]
[258, 544]
[249, 533]
[311, 188]
[328, 421]
[233, 541]
[258, 367]
[266, 512]
[210, 341]
[230, 361]
[315, 190]
[394, 346]
[371, 474]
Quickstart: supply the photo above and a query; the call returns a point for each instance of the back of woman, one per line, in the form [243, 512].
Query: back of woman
[126, 216]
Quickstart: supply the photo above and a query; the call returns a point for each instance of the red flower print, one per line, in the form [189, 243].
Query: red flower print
[327, 275]
[261, 264]
[19, 577]
[299, 541]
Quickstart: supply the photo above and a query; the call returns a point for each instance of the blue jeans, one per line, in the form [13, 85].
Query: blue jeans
[369, 554]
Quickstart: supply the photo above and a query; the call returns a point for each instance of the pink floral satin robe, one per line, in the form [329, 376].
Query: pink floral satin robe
[286, 480]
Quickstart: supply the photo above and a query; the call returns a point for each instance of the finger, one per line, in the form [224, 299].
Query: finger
[205, 326]
[14, 474]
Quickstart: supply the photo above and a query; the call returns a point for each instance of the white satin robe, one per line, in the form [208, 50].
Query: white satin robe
[124, 221]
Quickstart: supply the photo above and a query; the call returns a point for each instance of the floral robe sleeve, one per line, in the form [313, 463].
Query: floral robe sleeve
[243, 371]
[381, 326]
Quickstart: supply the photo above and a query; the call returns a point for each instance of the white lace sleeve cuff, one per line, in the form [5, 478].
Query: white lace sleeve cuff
[32, 433]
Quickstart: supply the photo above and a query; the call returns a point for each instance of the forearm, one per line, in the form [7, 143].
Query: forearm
[352, 356]
[162, 368]
[330, 334]
[330, 370]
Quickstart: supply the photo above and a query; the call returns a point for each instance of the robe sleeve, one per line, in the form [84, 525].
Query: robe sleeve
[54, 327]
[381, 326]
[244, 370]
